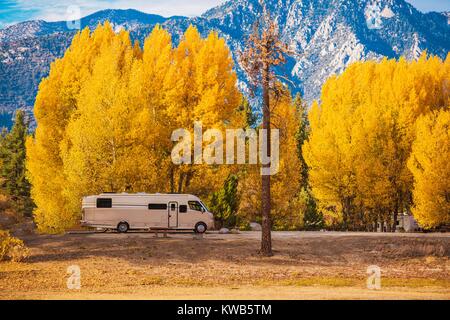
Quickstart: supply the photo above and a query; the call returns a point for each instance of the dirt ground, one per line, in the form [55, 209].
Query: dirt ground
[305, 265]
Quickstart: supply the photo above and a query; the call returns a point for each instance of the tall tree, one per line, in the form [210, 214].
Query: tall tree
[362, 133]
[302, 135]
[55, 103]
[106, 112]
[251, 119]
[288, 205]
[430, 165]
[200, 86]
[288, 209]
[312, 218]
[102, 150]
[13, 171]
[264, 50]
[225, 202]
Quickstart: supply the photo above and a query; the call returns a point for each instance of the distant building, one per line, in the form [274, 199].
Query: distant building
[405, 223]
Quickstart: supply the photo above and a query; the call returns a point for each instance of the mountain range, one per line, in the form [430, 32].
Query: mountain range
[327, 36]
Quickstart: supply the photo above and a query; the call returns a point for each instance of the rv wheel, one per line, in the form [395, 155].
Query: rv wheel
[200, 227]
[122, 227]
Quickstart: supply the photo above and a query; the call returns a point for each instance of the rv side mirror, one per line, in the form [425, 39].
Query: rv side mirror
[203, 209]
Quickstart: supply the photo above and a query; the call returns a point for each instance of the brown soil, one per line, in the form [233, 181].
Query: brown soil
[323, 265]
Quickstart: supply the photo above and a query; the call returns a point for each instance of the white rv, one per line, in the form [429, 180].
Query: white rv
[125, 211]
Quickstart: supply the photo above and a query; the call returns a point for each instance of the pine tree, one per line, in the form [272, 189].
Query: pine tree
[312, 219]
[225, 202]
[251, 119]
[288, 205]
[264, 50]
[302, 136]
[13, 171]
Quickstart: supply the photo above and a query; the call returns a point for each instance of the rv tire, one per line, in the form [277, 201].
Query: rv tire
[200, 227]
[122, 227]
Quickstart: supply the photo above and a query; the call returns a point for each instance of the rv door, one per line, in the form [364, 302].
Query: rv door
[173, 214]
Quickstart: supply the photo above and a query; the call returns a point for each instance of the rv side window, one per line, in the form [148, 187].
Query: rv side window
[195, 205]
[104, 203]
[183, 208]
[157, 206]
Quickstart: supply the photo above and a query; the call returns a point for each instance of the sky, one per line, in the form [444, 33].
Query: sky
[13, 11]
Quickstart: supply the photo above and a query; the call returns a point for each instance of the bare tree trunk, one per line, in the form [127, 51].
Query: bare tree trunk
[266, 239]
[180, 182]
[345, 214]
[394, 223]
[187, 181]
[395, 216]
[172, 178]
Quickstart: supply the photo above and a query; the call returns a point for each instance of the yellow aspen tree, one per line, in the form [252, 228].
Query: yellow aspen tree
[362, 134]
[217, 106]
[287, 210]
[200, 86]
[106, 112]
[151, 127]
[430, 166]
[378, 163]
[328, 152]
[389, 114]
[216, 84]
[180, 83]
[181, 98]
[101, 152]
[55, 102]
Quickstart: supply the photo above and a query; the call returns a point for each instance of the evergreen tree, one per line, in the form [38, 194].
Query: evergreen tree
[251, 120]
[312, 218]
[287, 201]
[225, 202]
[302, 135]
[263, 52]
[13, 172]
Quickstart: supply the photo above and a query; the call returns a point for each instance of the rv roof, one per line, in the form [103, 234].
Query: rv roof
[142, 194]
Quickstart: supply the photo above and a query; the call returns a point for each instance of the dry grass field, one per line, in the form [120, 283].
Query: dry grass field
[306, 265]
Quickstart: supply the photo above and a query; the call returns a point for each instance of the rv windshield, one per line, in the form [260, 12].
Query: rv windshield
[204, 206]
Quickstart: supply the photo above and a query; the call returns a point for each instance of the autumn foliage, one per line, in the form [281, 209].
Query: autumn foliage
[377, 143]
[430, 165]
[364, 132]
[106, 112]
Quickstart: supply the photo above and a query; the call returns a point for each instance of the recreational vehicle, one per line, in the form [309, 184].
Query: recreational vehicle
[124, 211]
